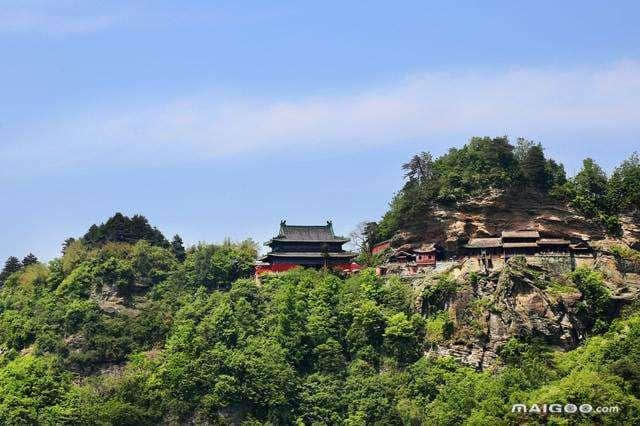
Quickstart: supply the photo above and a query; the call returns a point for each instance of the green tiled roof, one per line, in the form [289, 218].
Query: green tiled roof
[307, 233]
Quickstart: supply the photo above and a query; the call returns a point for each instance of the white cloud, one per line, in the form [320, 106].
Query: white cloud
[56, 18]
[423, 107]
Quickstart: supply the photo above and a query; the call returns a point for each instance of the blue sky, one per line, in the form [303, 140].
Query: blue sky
[218, 119]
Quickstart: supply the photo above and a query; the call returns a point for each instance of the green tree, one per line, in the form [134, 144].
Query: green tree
[590, 189]
[595, 303]
[29, 259]
[533, 167]
[322, 400]
[29, 387]
[178, 248]
[217, 266]
[367, 328]
[11, 266]
[555, 175]
[419, 168]
[121, 228]
[522, 148]
[67, 243]
[403, 337]
[624, 185]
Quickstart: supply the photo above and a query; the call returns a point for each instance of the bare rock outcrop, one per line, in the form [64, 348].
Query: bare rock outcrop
[498, 210]
[511, 302]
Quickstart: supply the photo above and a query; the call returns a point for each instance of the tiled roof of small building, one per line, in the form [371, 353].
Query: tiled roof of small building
[484, 243]
[554, 241]
[425, 248]
[520, 234]
[311, 233]
[519, 245]
[401, 253]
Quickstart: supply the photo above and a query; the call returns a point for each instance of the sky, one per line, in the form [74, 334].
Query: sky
[219, 119]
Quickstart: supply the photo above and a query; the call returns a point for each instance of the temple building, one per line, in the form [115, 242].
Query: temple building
[308, 246]
[524, 243]
[426, 255]
[409, 260]
[554, 246]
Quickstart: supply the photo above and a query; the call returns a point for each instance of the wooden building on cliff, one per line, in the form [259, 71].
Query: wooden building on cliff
[523, 243]
[409, 260]
[308, 246]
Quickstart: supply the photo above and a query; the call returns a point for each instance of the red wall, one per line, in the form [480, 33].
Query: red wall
[426, 259]
[380, 247]
[281, 267]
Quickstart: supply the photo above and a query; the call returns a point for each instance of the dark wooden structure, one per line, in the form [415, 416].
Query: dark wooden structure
[523, 242]
[581, 249]
[402, 256]
[553, 246]
[310, 246]
[484, 247]
[520, 243]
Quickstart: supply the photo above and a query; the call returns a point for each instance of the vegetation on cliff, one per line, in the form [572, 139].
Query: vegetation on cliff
[493, 163]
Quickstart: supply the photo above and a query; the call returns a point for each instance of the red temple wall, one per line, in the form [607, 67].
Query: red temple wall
[380, 247]
[281, 267]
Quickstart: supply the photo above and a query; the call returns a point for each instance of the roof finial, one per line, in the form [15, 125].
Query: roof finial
[329, 223]
[283, 222]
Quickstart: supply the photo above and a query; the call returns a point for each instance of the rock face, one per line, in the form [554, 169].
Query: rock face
[499, 210]
[520, 299]
[524, 301]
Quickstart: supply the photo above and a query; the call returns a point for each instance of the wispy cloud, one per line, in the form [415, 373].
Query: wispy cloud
[56, 18]
[421, 107]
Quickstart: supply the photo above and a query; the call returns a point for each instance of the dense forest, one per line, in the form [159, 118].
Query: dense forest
[494, 163]
[200, 341]
[127, 327]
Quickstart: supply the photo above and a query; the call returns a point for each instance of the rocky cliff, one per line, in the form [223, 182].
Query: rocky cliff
[526, 298]
[522, 300]
[499, 210]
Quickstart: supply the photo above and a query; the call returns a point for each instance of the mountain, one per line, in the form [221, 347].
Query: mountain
[127, 328]
[489, 185]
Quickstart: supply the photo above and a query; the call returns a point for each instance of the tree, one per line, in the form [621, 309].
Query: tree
[591, 178]
[522, 148]
[590, 186]
[364, 236]
[403, 337]
[178, 248]
[419, 168]
[218, 266]
[555, 174]
[29, 259]
[595, 303]
[624, 185]
[121, 228]
[28, 386]
[66, 244]
[533, 167]
[367, 327]
[10, 266]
